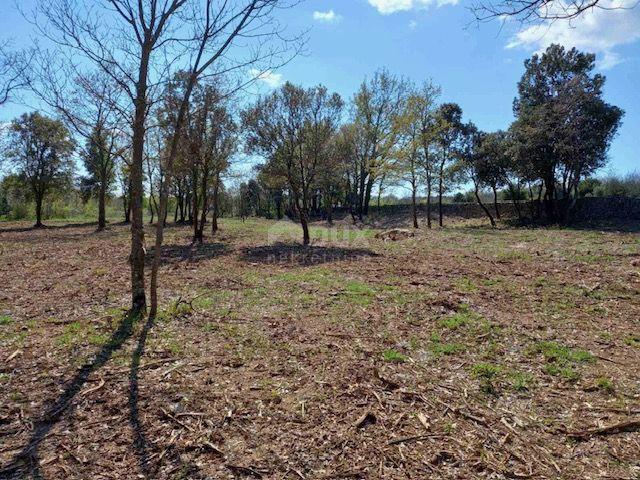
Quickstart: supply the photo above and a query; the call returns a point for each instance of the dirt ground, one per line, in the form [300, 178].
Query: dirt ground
[460, 353]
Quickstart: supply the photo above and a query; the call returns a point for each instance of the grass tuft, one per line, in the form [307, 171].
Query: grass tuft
[392, 355]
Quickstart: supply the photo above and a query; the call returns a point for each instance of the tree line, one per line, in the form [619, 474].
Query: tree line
[322, 152]
[396, 133]
[151, 107]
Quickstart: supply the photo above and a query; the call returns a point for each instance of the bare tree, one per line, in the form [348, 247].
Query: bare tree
[12, 68]
[543, 10]
[89, 104]
[140, 45]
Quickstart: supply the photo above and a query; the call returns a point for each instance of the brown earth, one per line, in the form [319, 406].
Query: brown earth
[460, 353]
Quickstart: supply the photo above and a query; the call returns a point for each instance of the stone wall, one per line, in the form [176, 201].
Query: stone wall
[586, 209]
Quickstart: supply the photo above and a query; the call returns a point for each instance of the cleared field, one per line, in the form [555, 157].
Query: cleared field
[460, 353]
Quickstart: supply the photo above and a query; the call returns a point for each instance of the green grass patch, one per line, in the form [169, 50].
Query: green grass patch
[521, 381]
[562, 361]
[561, 354]
[487, 374]
[392, 355]
[75, 334]
[359, 293]
[463, 317]
[632, 340]
[605, 384]
[5, 320]
[439, 348]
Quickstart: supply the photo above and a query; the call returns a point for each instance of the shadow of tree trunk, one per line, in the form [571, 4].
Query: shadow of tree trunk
[140, 442]
[26, 462]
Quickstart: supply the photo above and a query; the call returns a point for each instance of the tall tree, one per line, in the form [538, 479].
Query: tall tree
[493, 164]
[476, 165]
[140, 45]
[563, 127]
[211, 140]
[40, 151]
[447, 133]
[416, 135]
[376, 106]
[292, 128]
[100, 162]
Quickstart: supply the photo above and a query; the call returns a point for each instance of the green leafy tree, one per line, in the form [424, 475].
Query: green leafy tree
[376, 108]
[40, 151]
[447, 134]
[414, 149]
[293, 129]
[476, 165]
[100, 163]
[563, 127]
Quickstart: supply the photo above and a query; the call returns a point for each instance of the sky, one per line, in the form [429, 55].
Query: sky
[476, 65]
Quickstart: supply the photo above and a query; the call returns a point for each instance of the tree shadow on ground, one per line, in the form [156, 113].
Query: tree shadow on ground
[192, 253]
[48, 227]
[295, 254]
[141, 444]
[613, 225]
[26, 462]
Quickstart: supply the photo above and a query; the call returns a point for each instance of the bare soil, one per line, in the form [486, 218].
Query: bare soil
[462, 352]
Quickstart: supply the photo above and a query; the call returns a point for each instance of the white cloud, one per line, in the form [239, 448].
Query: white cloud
[268, 77]
[327, 17]
[413, 25]
[387, 7]
[598, 31]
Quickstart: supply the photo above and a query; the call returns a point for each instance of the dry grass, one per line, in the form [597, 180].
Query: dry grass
[460, 353]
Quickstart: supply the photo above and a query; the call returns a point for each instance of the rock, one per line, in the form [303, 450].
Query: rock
[395, 234]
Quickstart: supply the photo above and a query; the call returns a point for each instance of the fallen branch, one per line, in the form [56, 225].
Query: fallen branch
[414, 438]
[628, 426]
[367, 418]
[93, 389]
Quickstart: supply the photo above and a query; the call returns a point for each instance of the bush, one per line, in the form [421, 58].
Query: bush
[612, 186]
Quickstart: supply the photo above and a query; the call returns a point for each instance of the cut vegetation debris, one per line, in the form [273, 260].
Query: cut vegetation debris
[452, 355]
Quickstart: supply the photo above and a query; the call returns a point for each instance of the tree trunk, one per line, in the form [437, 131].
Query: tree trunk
[306, 238]
[549, 200]
[360, 193]
[39, 198]
[137, 256]
[367, 197]
[414, 210]
[486, 210]
[216, 211]
[151, 211]
[189, 210]
[102, 194]
[194, 208]
[495, 202]
[203, 215]
[329, 210]
[175, 213]
[440, 191]
[429, 202]
[127, 210]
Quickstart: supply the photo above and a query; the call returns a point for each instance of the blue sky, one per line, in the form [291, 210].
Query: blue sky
[477, 66]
